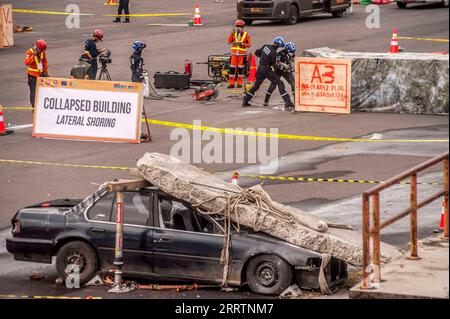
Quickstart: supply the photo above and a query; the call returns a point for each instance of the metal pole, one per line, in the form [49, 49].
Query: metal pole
[376, 237]
[118, 252]
[366, 242]
[413, 217]
[446, 186]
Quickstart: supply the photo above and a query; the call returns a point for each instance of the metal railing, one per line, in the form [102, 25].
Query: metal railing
[373, 267]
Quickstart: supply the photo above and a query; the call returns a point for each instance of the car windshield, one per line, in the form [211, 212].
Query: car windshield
[80, 208]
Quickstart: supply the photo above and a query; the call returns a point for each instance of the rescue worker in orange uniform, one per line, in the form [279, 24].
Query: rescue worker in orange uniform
[240, 41]
[36, 61]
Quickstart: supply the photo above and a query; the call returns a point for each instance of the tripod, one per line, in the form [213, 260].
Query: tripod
[104, 73]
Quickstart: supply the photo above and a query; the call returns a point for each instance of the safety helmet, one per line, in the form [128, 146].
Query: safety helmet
[99, 34]
[291, 48]
[279, 41]
[41, 45]
[239, 23]
[138, 46]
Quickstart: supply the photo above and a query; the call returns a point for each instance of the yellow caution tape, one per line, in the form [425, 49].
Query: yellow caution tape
[286, 136]
[263, 177]
[17, 108]
[269, 135]
[324, 180]
[51, 12]
[423, 39]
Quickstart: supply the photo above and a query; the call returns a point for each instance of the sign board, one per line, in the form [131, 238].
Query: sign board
[323, 85]
[6, 26]
[88, 110]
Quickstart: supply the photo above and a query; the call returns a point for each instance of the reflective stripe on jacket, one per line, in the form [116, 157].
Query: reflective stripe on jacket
[37, 65]
[237, 49]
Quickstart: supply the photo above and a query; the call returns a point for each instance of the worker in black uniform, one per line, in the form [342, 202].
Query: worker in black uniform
[266, 70]
[285, 69]
[124, 7]
[137, 62]
[90, 48]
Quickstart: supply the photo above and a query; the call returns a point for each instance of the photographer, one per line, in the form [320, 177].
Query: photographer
[91, 47]
[81, 69]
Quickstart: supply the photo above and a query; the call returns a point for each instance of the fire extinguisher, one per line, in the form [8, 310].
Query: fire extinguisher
[188, 67]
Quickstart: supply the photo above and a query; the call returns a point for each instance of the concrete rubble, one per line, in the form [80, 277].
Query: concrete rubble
[413, 83]
[209, 194]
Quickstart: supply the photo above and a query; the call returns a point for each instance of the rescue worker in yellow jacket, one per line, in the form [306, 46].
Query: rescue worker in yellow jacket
[240, 41]
[36, 61]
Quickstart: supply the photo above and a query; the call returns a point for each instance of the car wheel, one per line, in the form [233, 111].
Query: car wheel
[402, 5]
[338, 14]
[268, 275]
[292, 15]
[77, 255]
[248, 22]
[445, 3]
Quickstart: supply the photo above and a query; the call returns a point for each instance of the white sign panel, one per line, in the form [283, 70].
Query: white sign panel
[88, 110]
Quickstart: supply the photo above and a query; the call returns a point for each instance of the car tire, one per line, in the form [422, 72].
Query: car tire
[268, 275]
[338, 14]
[248, 22]
[77, 253]
[402, 5]
[293, 15]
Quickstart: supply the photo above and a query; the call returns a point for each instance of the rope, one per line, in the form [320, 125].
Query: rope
[323, 283]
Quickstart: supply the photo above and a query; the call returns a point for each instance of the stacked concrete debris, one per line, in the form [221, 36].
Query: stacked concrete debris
[413, 83]
[209, 194]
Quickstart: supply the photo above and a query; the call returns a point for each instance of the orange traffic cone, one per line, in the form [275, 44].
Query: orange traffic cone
[3, 130]
[111, 3]
[394, 42]
[197, 17]
[252, 72]
[442, 223]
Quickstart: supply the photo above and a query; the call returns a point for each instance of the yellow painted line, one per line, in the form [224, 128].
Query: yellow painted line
[50, 12]
[423, 39]
[17, 108]
[169, 14]
[47, 297]
[149, 15]
[65, 165]
[287, 136]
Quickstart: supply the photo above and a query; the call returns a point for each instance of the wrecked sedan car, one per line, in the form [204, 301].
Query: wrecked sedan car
[164, 239]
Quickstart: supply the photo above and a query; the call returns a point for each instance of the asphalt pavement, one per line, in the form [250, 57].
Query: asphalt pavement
[26, 183]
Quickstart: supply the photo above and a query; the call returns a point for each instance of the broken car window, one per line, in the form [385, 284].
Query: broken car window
[101, 210]
[136, 209]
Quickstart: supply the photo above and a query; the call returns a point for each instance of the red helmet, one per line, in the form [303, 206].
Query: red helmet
[41, 45]
[99, 34]
[239, 23]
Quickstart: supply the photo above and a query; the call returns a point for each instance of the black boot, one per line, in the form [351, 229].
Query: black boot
[117, 20]
[266, 99]
[127, 20]
[288, 105]
[246, 100]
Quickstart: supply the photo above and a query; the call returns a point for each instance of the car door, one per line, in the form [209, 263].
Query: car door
[181, 248]
[138, 230]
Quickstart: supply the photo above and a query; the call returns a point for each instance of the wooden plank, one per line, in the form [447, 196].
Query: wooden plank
[6, 26]
[126, 185]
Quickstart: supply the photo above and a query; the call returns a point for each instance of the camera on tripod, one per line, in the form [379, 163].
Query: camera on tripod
[105, 57]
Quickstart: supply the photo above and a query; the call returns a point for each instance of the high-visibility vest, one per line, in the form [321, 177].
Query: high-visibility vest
[236, 49]
[38, 65]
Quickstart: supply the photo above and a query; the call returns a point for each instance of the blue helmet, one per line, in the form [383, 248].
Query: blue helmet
[291, 48]
[279, 41]
[138, 46]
